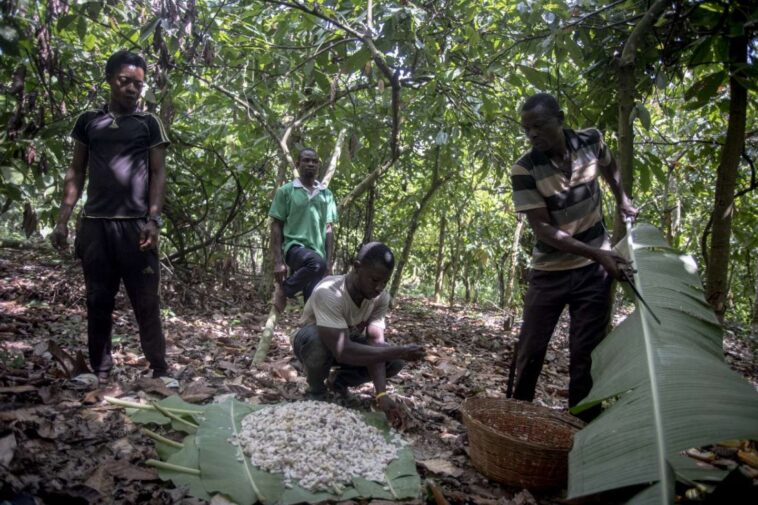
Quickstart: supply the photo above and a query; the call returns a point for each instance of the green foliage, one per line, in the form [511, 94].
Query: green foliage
[672, 387]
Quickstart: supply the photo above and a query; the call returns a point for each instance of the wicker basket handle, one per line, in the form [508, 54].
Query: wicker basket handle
[576, 423]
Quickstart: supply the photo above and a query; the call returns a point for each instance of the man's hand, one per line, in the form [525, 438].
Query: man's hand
[392, 410]
[616, 266]
[59, 237]
[628, 211]
[412, 352]
[148, 237]
[280, 272]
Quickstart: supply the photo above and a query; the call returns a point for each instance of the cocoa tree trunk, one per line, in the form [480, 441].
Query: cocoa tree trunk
[438, 274]
[467, 284]
[726, 180]
[754, 322]
[368, 231]
[501, 280]
[435, 185]
[626, 84]
[513, 264]
[626, 96]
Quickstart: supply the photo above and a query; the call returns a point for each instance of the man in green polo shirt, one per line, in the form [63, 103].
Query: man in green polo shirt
[302, 213]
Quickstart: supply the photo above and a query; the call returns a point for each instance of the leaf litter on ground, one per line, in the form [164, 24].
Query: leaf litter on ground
[63, 442]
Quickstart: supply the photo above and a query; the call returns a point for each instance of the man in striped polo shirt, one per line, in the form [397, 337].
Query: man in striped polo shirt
[556, 185]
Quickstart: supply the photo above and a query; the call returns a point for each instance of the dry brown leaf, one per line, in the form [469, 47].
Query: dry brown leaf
[524, 497]
[62, 357]
[437, 494]
[17, 389]
[228, 365]
[22, 415]
[197, 391]
[7, 449]
[442, 467]
[286, 372]
[93, 397]
[124, 470]
[748, 457]
[150, 385]
[101, 480]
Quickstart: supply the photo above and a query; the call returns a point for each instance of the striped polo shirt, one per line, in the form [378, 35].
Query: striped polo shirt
[573, 200]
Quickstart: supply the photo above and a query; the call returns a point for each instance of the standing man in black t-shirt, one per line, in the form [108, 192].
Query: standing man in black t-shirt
[124, 150]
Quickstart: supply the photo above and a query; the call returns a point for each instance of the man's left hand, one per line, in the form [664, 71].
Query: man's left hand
[393, 412]
[148, 237]
[628, 211]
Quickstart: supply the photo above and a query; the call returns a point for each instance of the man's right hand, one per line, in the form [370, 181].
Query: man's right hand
[59, 237]
[412, 352]
[280, 272]
[616, 266]
[393, 412]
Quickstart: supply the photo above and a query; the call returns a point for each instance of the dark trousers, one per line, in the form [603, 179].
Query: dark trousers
[586, 291]
[109, 250]
[307, 267]
[318, 360]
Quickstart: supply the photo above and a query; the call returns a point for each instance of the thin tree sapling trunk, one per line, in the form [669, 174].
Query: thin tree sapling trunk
[726, 180]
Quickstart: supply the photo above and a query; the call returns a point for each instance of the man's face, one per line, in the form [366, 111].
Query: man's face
[126, 85]
[308, 165]
[543, 129]
[372, 278]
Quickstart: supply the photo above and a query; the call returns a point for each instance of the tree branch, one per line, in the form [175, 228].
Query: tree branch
[332, 166]
[629, 54]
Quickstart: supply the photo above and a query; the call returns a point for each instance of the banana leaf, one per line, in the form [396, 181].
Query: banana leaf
[669, 384]
[207, 463]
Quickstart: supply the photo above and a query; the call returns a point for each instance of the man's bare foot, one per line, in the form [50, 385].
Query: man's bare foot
[280, 299]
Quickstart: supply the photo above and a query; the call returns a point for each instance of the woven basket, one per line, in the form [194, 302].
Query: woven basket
[518, 443]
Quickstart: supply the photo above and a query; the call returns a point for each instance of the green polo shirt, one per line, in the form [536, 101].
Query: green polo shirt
[304, 215]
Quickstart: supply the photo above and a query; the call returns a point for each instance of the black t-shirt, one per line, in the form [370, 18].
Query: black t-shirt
[119, 154]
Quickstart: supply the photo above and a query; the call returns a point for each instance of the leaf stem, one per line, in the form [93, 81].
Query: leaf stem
[245, 460]
[392, 489]
[146, 406]
[173, 416]
[162, 465]
[160, 438]
[660, 439]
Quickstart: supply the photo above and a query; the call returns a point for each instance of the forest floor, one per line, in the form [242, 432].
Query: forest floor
[61, 443]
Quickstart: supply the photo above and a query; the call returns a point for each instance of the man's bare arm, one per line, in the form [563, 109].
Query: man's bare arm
[612, 176]
[157, 190]
[73, 182]
[73, 185]
[277, 234]
[547, 233]
[377, 371]
[148, 238]
[348, 352]
[329, 249]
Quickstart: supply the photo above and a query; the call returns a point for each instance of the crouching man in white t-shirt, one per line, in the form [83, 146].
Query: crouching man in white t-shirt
[343, 326]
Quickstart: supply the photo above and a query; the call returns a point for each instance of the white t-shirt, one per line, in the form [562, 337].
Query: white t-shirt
[330, 306]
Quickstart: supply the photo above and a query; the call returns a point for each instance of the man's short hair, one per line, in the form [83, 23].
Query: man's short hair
[546, 100]
[376, 253]
[304, 149]
[121, 58]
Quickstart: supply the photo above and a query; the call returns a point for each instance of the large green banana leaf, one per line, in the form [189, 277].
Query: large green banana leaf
[671, 386]
[207, 463]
